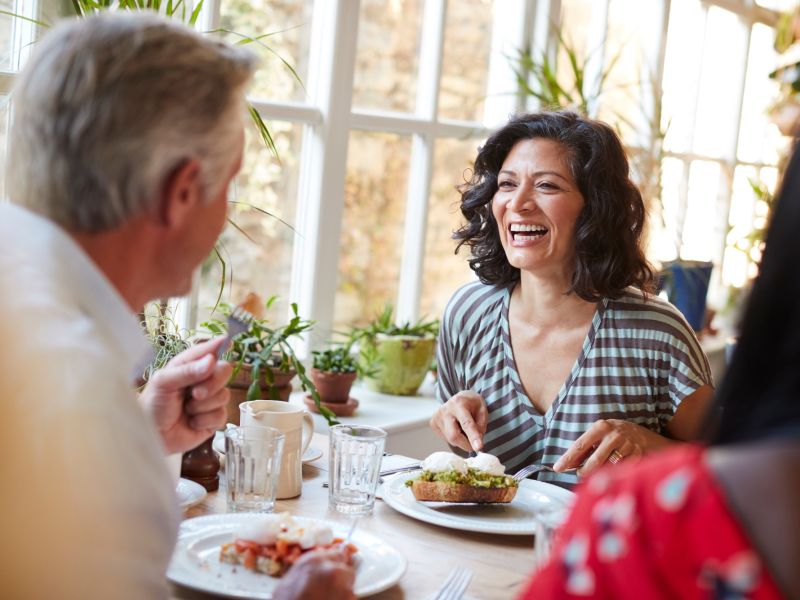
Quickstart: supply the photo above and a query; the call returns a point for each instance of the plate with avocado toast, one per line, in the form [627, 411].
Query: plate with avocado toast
[471, 502]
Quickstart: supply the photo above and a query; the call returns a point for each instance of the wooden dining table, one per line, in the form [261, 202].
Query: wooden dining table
[501, 564]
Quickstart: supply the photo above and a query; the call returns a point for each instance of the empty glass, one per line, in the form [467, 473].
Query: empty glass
[355, 461]
[252, 467]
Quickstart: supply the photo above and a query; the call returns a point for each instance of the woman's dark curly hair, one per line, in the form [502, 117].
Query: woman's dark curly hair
[608, 231]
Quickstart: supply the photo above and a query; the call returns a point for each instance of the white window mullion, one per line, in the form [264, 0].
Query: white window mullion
[323, 164]
[421, 164]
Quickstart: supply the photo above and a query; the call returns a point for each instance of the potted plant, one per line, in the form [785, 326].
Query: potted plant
[333, 373]
[397, 357]
[264, 362]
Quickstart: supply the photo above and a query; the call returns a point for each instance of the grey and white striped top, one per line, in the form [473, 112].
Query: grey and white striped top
[638, 361]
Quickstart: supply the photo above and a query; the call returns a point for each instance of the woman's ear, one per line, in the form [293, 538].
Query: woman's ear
[181, 194]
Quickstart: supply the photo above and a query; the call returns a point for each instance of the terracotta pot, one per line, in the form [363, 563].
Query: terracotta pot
[333, 387]
[238, 386]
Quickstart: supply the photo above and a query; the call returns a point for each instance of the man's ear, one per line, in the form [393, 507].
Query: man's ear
[181, 194]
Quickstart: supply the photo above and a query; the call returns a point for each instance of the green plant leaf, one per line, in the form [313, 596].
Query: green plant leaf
[24, 18]
[263, 131]
[196, 13]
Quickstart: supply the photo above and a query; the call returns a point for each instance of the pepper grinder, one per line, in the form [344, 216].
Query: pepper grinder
[201, 464]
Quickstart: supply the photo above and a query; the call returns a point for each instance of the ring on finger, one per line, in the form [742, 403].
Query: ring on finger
[615, 457]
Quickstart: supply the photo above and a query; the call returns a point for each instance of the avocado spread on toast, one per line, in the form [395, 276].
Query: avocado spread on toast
[472, 477]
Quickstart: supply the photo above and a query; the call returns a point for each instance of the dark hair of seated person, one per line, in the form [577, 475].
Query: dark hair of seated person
[608, 232]
[760, 395]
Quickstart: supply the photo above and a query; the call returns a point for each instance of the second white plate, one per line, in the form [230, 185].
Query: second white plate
[518, 517]
[195, 561]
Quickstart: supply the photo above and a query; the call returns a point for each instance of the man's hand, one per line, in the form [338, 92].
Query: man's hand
[185, 421]
[320, 575]
[461, 421]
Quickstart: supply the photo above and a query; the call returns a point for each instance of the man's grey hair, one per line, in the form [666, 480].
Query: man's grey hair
[109, 106]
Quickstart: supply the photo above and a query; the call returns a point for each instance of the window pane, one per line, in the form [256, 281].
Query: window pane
[666, 215]
[682, 73]
[628, 92]
[4, 105]
[698, 241]
[718, 101]
[6, 32]
[759, 138]
[259, 257]
[465, 61]
[372, 227]
[740, 219]
[782, 5]
[445, 271]
[290, 21]
[387, 55]
[576, 30]
[576, 16]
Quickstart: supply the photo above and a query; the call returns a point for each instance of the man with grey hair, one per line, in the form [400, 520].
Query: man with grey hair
[127, 132]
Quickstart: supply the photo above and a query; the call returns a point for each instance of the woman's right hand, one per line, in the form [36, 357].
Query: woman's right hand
[461, 421]
[319, 575]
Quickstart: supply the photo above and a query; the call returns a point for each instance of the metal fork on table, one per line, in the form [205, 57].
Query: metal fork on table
[525, 472]
[455, 585]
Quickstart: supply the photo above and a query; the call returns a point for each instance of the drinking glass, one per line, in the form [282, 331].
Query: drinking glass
[547, 523]
[252, 467]
[355, 461]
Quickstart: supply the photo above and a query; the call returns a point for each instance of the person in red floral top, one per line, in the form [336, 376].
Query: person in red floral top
[718, 520]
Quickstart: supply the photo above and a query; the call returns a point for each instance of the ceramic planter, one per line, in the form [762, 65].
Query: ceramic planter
[686, 284]
[238, 386]
[333, 387]
[403, 362]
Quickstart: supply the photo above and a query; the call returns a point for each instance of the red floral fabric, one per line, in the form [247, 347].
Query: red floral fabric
[659, 528]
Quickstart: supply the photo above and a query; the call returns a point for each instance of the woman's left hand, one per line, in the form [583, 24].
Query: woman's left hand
[607, 437]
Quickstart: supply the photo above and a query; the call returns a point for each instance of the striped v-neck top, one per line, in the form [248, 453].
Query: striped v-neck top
[638, 361]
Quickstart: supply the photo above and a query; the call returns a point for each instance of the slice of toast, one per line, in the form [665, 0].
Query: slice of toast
[438, 491]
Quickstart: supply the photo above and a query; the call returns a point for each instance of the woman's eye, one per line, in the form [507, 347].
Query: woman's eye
[505, 184]
[546, 185]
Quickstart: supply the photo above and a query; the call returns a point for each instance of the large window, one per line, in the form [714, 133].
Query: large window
[379, 118]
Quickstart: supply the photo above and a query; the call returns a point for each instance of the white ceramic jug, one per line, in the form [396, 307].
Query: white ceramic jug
[298, 427]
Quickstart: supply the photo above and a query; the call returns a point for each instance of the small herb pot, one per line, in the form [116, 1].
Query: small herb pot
[333, 387]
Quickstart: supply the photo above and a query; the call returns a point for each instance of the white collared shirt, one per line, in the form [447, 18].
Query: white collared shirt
[88, 508]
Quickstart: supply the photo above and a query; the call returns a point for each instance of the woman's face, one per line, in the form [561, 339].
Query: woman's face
[536, 206]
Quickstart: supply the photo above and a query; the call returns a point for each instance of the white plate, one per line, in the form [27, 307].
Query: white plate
[518, 517]
[312, 453]
[189, 493]
[195, 562]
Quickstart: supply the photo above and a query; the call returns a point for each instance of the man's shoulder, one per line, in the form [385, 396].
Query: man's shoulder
[55, 347]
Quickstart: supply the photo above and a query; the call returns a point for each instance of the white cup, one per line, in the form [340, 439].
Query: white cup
[298, 427]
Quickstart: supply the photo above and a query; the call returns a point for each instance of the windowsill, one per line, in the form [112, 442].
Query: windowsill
[404, 418]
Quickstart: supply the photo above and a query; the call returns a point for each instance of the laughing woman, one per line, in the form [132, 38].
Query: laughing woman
[560, 354]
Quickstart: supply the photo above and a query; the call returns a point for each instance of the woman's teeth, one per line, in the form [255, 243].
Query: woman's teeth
[524, 233]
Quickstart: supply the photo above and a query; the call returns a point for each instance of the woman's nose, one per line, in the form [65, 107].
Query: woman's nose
[522, 200]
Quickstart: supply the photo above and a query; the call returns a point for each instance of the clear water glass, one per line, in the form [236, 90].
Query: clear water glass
[252, 467]
[354, 466]
[548, 522]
